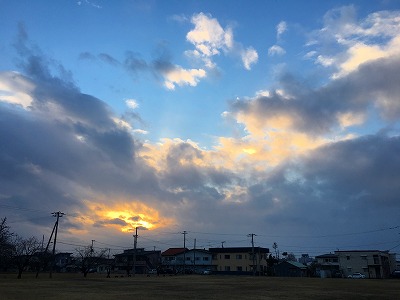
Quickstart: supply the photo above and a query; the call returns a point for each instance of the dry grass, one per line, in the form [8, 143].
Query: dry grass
[74, 286]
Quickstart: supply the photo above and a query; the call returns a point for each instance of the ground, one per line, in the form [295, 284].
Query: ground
[96, 286]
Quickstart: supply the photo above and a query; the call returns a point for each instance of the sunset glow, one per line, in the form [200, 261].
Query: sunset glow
[126, 216]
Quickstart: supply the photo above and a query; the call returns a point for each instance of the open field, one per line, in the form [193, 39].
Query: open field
[74, 286]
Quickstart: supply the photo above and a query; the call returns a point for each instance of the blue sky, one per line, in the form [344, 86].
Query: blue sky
[279, 118]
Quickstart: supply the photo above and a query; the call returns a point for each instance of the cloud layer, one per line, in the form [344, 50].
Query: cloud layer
[306, 159]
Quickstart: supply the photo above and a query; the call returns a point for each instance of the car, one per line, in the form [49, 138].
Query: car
[356, 276]
[207, 272]
[152, 271]
[395, 274]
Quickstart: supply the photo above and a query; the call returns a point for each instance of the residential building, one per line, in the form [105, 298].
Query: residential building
[143, 261]
[371, 263]
[196, 260]
[169, 260]
[288, 268]
[240, 260]
[328, 266]
[305, 259]
[63, 262]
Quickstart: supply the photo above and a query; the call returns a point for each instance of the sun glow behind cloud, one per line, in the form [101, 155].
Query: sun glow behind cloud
[125, 216]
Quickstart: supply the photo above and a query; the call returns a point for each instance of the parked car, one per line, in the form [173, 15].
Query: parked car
[395, 274]
[152, 271]
[356, 276]
[207, 272]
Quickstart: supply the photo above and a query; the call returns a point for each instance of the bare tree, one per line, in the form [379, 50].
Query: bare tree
[89, 258]
[291, 257]
[23, 249]
[275, 246]
[5, 245]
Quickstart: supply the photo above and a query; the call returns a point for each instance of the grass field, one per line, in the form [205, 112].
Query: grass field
[74, 286]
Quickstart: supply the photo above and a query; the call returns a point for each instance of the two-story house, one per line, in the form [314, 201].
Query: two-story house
[140, 259]
[371, 263]
[328, 266]
[240, 260]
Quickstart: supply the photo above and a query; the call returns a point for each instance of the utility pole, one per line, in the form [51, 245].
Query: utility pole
[91, 247]
[184, 250]
[57, 214]
[252, 251]
[134, 251]
[194, 256]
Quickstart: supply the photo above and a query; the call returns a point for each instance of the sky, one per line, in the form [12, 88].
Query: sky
[218, 118]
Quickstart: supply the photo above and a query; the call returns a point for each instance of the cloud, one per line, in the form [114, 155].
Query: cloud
[131, 103]
[108, 59]
[15, 89]
[301, 166]
[180, 76]
[209, 39]
[356, 42]
[281, 28]
[208, 36]
[249, 57]
[276, 50]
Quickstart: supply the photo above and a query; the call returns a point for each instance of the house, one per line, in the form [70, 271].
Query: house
[240, 260]
[288, 268]
[140, 259]
[371, 263]
[63, 261]
[328, 266]
[305, 259]
[169, 259]
[196, 260]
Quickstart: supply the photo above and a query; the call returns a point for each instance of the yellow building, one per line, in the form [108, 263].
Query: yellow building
[240, 260]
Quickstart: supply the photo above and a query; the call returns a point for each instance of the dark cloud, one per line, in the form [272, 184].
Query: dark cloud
[108, 59]
[66, 149]
[133, 62]
[136, 218]
[87, 56]
[316, 111]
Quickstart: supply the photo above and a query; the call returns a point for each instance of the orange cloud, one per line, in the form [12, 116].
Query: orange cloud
[124, 216]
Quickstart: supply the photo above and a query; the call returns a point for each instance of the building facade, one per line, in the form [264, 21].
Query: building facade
[290, 269]
[240, 260]
[139, 260]
[371, 263]
[328, 266]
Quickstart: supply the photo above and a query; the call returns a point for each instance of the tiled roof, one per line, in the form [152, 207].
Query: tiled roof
[239, 250]
[173, 251]
[296, 264]
[327, 255]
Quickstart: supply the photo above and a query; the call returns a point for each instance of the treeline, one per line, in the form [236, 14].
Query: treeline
[20, 254]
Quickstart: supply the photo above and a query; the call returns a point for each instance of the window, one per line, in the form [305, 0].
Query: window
[335, 260]
[238, 256]
[239, 269]
[376, 259]
[363, 257]
[197, 258]
[187, 258]
[227, 268]
[205, 258]
[348, 257]
[227, 256]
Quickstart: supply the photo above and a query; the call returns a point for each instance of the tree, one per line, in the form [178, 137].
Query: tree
[89, 258]
[23, 249]
[271, 262]
[5, 245]
[291, 257]
[275, 246]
